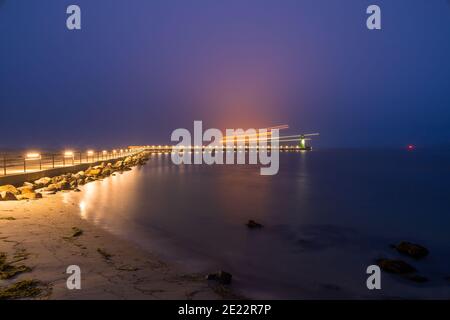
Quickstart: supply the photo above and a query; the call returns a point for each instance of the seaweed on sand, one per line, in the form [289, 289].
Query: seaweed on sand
[8, 269]
[76, 232]
[24, 289]
[107, 256]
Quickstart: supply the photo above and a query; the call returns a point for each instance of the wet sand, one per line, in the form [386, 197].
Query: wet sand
[41, 233]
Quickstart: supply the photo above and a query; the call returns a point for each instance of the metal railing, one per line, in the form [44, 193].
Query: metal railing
[17, 163]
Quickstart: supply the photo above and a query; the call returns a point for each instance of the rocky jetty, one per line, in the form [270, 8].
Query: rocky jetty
[70, 181]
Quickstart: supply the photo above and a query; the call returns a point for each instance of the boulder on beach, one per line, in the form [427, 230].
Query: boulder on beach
[107, 171]
[64, 185]
[61, 185]
[80, 174]
[28, 184]
[413, 250]
[9, 188]
[395, 266]
[26, 189]
[57, 179]
[52, 188]
[7, 196]
[118, 164]
[29, 196]
[128, 161]
[42, 182]
[93, 172]
[222, 277]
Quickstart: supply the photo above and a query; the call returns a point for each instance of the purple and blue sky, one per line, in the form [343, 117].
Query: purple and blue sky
[139, 69]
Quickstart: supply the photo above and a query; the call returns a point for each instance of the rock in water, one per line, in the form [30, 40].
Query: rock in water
[222, 277]
[395, 266]
[411, 249]
[253, 224]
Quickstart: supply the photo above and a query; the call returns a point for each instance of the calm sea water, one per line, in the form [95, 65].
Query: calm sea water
[327, 215]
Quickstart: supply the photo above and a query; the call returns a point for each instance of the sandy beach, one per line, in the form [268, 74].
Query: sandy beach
[48, 235]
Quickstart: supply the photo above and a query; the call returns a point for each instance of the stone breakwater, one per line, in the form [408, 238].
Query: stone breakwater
[70, 181]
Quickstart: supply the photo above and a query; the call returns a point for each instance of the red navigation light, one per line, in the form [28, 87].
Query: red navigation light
[411, 147]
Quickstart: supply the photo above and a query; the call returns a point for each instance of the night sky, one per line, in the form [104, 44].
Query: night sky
[139, 69]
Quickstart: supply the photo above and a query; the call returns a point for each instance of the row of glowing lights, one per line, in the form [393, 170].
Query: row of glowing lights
[210, 151]
[198, 152]
[71, 154]
[90, 153]
[227, 147]
[237, 147]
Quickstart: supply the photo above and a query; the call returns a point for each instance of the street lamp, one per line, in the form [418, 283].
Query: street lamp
[32, 156]
[68, 154]
[90, 153]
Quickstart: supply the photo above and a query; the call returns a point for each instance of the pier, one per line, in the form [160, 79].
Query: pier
[16, 167]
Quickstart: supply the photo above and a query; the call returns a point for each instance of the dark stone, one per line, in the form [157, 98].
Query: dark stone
[413, 250]
[57, 179]
[7, 196]
[395, 266]
[253, 224]
[64, 185]
[221, 277]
